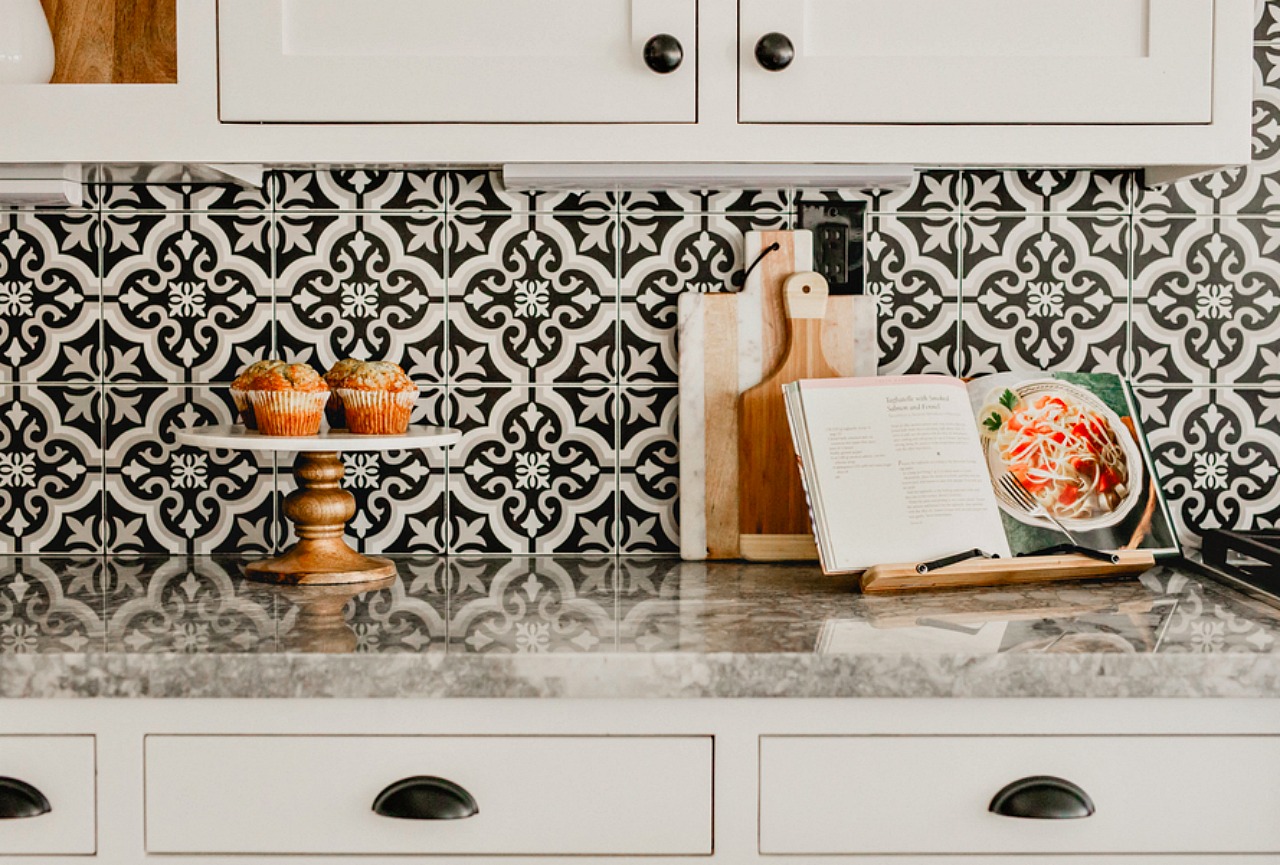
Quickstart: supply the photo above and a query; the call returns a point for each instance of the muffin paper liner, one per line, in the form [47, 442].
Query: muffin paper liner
[288, 413]
[377, 412]
[244, 410]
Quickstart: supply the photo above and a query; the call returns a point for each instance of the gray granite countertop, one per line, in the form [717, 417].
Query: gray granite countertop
[610, 627]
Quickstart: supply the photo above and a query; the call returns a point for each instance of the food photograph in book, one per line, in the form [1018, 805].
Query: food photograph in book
[1069, 462]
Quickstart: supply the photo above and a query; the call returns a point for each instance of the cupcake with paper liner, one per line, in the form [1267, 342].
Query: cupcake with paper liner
[334, 412]
[288, 400]
[377, 397]
[240, 389]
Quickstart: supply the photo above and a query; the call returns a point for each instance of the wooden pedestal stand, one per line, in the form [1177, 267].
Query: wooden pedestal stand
[320, 507]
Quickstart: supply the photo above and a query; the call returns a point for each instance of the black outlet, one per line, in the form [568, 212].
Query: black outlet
[837, 242]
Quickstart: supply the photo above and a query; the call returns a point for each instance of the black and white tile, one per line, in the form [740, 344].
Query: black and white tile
[181, 304]
[540, 306]
[1045, 293]
[1217, 452]
[648, 470]
[536, 471]
[49, 295]
[912, 271]
[50, 469]
[366, 290]
[166, 497]
[1207, 310]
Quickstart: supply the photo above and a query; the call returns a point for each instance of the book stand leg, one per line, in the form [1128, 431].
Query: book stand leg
[319, 510]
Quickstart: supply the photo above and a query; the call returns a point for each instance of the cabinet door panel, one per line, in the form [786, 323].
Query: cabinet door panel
[441, 61]
[980, 61]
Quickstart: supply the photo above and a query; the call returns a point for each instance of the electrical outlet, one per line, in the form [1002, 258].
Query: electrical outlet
[837, 228]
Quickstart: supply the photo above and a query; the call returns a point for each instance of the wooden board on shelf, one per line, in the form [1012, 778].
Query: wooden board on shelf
[114, 41]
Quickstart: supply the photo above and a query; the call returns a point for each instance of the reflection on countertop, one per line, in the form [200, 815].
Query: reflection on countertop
[83, 625]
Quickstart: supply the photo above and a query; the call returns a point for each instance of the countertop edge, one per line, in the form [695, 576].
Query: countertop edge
[648, 676]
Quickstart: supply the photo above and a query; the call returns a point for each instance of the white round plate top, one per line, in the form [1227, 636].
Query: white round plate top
[237, 437]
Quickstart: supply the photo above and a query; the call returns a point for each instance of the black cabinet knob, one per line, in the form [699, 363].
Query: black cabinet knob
[425, 797]
[775, 52]
[18, 799]
[1042, 797]
[663, 53]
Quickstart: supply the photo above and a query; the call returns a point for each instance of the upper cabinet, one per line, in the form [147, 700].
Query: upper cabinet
[1164, 84]
[976, 61]
[445, 61]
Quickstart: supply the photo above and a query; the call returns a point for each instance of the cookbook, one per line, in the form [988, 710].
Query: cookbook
[916, 468]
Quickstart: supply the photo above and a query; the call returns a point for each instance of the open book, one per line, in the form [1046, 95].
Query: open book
[914, 468]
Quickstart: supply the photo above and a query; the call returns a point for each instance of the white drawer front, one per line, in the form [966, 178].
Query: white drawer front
[444, 61]
[536, 795]
[930, 794]
[62, 768]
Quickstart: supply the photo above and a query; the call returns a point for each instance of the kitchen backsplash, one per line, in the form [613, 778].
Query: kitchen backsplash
[543, 325]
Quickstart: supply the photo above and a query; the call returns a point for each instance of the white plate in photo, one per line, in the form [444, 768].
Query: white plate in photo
[1132, 455]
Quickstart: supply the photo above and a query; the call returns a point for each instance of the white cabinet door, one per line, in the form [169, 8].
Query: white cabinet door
[446, 61]
[977, 61]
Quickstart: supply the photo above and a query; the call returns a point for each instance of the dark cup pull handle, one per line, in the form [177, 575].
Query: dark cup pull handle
[425, 797]
[1042, 797]
[19, 800]
[774, 52]
[663, 53]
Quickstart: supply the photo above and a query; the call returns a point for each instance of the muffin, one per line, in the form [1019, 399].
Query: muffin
[377, 397]
[333, 411]
[288, 400]
[240, 389]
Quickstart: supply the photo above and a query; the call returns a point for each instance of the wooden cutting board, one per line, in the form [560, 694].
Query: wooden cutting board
[727, 342]
[773, 513]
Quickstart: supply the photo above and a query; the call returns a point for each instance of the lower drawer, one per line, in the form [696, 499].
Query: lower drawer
[536, 795]
[931, 794]
[60, 770]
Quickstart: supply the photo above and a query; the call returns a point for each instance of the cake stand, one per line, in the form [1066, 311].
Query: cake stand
[319, 507]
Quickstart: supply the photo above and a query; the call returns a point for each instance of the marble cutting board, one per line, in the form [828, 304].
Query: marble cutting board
[728, 342]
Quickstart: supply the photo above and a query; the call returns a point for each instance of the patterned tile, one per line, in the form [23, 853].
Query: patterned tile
[759, 204]
[165, 497]
[1045, 293]
[50, 606]
[50, 469]
[49, 296]
[183, 305]
[648, 471]
[360, 188]
[912, 272]
[1254, 188]
[532, 606]
[1217, 452]
[1206, 301]
[1046, 190]
[535, 472]
[664, 255]
[540, 306]
[1266, 14]
[368, 290]
[399, 495]
[168, 189]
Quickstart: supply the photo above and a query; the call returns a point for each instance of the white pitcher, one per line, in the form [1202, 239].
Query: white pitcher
[26, 44]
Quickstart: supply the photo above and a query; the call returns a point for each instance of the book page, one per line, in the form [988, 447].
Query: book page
[896, 472]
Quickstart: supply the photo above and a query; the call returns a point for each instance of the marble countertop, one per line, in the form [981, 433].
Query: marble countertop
[614, 627]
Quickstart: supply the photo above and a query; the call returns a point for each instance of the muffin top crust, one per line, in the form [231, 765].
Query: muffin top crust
[250, 372]
[294, 376]
[369, 375]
